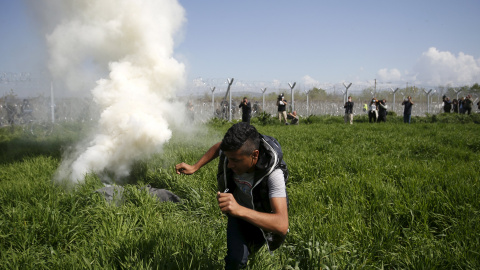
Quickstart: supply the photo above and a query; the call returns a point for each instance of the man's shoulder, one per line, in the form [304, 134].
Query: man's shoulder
[270, 140]
[271, 147]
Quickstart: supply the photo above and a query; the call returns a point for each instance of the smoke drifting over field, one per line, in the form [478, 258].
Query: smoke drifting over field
[130, 45]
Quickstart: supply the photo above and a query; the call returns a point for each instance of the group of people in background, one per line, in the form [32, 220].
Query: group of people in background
[13, 115]
[282, 111]
[376, 110]
[463, 105]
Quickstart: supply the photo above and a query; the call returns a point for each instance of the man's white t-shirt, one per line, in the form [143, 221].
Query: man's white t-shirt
[244, 182]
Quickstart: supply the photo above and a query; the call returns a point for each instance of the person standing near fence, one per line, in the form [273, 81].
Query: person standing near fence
[455, 105]
[407, 110]
[382, 111]
[246, 110]
[349, 111]
[447, 104]
[468, 104]
[373, 112]
[461, 105]
[11, 113]
[190, 111]
[282, 108]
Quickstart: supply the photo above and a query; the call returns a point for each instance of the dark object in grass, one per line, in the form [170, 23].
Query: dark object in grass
[115, 194]
[162, 195]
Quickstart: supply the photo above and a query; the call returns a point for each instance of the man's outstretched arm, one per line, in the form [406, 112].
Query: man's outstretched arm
[211, 154]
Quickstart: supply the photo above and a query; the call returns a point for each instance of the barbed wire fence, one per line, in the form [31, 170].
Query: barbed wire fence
[331, 104]
[208, 96]
[26, 97]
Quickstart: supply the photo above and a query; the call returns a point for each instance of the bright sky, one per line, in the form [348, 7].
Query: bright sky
[311, 42]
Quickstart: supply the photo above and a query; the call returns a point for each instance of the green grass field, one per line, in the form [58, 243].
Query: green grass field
[371, 196]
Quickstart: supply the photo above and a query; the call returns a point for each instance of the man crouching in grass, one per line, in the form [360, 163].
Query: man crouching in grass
[251, 181]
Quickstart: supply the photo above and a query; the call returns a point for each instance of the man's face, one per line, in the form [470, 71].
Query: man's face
[241, 163]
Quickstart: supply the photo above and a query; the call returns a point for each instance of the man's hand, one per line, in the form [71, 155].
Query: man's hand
[228, 204]
[184, 168]
[276, 222]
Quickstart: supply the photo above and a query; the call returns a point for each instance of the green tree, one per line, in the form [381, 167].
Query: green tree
[475, 88]
[317, 93]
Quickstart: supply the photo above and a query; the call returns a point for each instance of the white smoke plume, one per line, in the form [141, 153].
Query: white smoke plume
[128, 46]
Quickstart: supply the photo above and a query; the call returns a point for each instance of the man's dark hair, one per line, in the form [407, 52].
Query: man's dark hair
[239, 135]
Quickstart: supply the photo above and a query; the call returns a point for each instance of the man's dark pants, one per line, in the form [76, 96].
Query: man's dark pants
[243, 239]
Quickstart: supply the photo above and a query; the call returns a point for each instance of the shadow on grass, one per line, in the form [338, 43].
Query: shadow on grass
[18, 143]
[18, 148]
